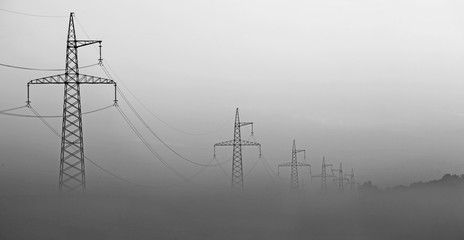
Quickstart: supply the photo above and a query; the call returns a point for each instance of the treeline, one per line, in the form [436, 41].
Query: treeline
[448, 181]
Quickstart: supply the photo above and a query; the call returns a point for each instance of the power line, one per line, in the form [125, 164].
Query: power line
[11, 109]
[149, 147]
[268, 168]
[156, 116]
[108, 74]
[104, 169]
[252, 167]
[87, 158]
[42, 69]
[156, 136]
[31, 15]
[222, 169]
[50, 116]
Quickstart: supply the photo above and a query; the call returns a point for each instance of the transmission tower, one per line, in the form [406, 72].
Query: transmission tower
[324, 175]
[294, 164]
[72, 169]
[351, 181]
[237, 143]
[341, 178]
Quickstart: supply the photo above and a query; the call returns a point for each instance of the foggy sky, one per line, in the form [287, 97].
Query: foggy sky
[375, 85]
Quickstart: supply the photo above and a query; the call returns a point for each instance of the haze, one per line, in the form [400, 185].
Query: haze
[372, 84]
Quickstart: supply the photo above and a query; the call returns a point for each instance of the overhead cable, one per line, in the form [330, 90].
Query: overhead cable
[156, 116]
[50, 116]
[42, 69]
[31, 15]
[159, 139]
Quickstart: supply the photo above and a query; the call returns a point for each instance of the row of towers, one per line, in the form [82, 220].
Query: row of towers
[72, 167]
[237, 184]
[335, 173]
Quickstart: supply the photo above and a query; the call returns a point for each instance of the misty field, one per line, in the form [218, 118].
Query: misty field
[431, 214]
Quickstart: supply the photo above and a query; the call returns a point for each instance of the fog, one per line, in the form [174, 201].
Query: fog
[147, 214]
[373, 84]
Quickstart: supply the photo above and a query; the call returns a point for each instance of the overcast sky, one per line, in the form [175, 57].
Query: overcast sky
[376, 85]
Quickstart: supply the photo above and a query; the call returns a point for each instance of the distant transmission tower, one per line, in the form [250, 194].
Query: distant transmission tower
[294, 164]
[237, 143]
[351, 181]
[324, 175]
[341, 178]
[72, 169]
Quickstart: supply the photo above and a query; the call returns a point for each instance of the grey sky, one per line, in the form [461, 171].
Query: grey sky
[373, 84]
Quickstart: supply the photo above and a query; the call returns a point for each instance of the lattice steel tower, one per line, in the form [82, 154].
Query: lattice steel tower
[72, 168]
[341, 178]
[294, 164]
[351, 181]
[237, 143]
[324, 175]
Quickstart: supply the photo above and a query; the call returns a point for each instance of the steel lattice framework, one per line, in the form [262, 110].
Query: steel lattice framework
[351, 181]
[237, 143]
[294, 164]
[324, 175]
[341, 179]
[72, 168]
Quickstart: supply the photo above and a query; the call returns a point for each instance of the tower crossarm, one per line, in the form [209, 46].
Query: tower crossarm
[250, 143]
[245, 123]
[81, 43]
[225, 143]
[86, 79]
[61, 79]
[242, 143]
[56, 79]
[303, 151]
[300, 164]
[289, 164]
[241, 124]
[320, 175]
[222, 144]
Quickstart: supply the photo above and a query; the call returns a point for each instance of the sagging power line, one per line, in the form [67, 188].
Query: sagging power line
[32, 15]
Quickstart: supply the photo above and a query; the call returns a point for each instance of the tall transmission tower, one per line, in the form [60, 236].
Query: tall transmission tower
[237, 143]
[294, 164]
[341, 178]
[324, 175]
[72, 168]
